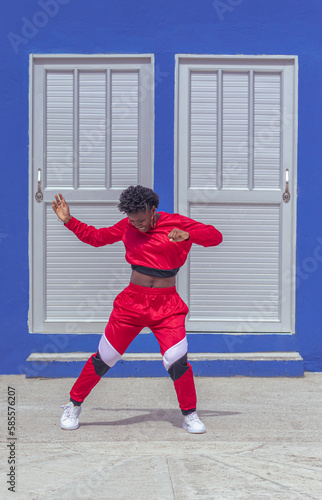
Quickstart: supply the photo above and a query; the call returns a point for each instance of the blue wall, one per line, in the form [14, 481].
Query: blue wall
[162, 27]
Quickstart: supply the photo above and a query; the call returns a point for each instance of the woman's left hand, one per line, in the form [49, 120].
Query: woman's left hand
[178, 235]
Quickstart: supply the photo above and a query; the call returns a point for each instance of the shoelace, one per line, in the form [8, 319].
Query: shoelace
[68, 410]
[194, 417]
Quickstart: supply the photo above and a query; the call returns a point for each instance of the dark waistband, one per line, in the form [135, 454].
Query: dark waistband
[159, 273]
[151, 290]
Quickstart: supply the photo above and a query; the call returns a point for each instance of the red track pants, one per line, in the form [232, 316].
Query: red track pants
[163, 311]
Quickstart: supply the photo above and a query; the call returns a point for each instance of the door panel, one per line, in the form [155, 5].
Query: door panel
[92, 137]
[236, 136]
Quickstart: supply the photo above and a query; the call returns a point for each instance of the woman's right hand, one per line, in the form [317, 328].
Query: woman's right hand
[61, 208]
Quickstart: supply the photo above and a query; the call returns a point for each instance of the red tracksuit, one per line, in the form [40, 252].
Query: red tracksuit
[160, 309]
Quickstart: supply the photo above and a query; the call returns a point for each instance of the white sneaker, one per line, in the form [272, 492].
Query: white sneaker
[193, 424]
[69, 420]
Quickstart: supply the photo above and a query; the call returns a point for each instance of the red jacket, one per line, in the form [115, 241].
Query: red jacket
[153, 248]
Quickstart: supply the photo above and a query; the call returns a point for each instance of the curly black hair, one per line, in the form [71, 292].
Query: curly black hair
[137, 198]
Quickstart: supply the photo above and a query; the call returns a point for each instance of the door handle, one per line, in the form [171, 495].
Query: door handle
[286, 194]
[39, 196]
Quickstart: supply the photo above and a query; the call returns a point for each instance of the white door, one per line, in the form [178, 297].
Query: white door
[91, 136]
[236, 133]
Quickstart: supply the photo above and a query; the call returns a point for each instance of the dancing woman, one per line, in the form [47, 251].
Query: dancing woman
[157, 245]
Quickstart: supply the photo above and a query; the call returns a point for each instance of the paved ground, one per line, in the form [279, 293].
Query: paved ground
[263, 441]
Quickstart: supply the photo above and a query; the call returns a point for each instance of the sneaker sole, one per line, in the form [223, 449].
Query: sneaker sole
[193, 432]
[69, 428]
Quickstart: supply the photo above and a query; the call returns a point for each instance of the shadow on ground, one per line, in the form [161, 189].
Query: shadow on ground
[150, 415]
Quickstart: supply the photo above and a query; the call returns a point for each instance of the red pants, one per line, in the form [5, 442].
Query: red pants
[163, 311]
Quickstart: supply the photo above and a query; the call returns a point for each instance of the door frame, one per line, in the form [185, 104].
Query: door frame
[132, 58]
[183, 281]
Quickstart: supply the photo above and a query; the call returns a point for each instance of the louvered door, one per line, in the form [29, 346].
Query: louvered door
[91, 138]
[236, 137]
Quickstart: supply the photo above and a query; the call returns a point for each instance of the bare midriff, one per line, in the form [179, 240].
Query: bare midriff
[152, 281]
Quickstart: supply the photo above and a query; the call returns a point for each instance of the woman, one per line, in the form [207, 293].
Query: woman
[157, 245]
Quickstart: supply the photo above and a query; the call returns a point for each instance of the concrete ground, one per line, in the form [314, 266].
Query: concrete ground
[263, 440]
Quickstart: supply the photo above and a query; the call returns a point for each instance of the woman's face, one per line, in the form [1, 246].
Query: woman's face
[142, 220]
